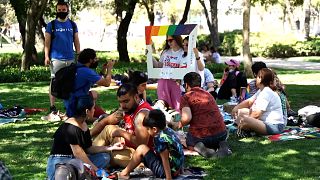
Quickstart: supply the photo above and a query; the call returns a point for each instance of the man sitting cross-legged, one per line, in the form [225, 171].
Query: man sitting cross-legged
[207, 130]
[134, 133]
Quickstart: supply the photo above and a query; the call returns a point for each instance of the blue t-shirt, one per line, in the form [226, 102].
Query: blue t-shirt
[167, 139]
[85, 78]
[62, 43]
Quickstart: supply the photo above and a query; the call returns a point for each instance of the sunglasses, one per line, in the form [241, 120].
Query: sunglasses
[170, 40]
[184, 86]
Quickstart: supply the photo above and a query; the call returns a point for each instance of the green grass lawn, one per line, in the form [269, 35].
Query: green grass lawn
[25, 146]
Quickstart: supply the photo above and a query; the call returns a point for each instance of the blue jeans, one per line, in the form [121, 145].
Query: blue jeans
[274, 128]
[210, 141]
[101, 160]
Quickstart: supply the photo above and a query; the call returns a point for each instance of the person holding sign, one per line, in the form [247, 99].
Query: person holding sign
[198, 56]
[171, 57]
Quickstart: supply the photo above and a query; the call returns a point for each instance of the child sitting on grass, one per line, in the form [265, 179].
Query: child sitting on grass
[167, 158]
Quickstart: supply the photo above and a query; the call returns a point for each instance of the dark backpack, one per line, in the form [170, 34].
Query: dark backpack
[62, 84]
[68, 171]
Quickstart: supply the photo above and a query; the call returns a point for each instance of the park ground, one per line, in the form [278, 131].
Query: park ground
[25, 146]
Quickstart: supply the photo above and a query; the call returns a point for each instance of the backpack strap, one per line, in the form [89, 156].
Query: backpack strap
[53, 29]
[74, 27]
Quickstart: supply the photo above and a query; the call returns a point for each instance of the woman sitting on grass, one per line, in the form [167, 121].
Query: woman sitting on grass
[262, 113]
[73, 140]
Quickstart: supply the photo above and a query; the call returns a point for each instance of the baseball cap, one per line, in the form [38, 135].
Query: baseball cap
[233, 62]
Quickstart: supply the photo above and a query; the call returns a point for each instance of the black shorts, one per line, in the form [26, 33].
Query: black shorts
[154, 162]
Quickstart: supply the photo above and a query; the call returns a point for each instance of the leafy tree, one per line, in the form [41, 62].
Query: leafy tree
[128, 7]
[149, 5]
[35, 11]
[185, 13]
[306, 8]
[212, 21]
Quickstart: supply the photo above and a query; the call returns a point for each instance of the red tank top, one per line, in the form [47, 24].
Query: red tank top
[129, 122]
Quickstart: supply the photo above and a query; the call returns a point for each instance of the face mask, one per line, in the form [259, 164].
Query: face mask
[94, 65]
[231, 70]
[62, 15]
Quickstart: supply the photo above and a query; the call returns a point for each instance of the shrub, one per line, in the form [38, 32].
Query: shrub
[279, 51]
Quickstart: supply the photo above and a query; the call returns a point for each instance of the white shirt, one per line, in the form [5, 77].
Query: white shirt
[269, 103]
[216, 57]
[171, 59]
[184, 59]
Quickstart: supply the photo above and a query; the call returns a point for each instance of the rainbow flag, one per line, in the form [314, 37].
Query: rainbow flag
[183, 29]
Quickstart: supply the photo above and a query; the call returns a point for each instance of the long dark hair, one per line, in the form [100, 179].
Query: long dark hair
[178, 40]
[82, 104]
[185, 54]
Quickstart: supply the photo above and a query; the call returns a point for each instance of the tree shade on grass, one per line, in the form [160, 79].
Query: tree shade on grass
[25, 146]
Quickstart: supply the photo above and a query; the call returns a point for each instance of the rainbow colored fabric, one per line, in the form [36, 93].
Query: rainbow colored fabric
[170, 30]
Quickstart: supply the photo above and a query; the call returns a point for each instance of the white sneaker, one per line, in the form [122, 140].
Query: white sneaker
[51, 117]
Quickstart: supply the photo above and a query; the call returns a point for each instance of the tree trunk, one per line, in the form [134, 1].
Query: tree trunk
[246, 34]
[290, 14]
[33, 15]
[212, 21]
[123, 30]
[149, 5]
[306, 7]
[186, 12]
[19, 7]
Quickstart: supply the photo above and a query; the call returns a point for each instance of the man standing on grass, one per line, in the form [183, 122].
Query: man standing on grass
[60, 36]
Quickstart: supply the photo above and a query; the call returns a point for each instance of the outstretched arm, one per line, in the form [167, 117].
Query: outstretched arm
[79, 153]
[165, 162]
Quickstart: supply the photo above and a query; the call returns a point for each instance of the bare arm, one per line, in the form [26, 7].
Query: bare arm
[112, 119]
[76, 43]
[199, 61]
[210, 86]
[47, 46]
[165, 162]
[256, 114]
[79, 153]
[156, 64]
[186, 117]
[106, 70]
[244, 104]
[101, 149]
[141, 134]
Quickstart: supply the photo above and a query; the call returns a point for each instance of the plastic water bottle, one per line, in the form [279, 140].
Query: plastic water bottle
[102, 173]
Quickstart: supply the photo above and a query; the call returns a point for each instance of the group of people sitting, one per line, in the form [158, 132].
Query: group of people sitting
[137, 132]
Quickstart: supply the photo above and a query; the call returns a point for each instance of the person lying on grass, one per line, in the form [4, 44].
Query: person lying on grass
[73, 140]
[167, 159]
[261, 113]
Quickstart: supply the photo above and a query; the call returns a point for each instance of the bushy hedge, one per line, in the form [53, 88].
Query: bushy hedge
[264, 45]
[11, 72]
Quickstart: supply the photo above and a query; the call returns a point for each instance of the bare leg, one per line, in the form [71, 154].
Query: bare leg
[249, 123]
[52, 99]
[140, 152]
[234, 92]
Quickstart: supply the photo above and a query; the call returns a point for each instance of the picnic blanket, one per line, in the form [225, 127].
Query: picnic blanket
[14, 114]
[295, 133]
[189, 173]
[10, 120]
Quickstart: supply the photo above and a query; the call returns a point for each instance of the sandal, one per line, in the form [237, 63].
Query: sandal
[116, 176]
